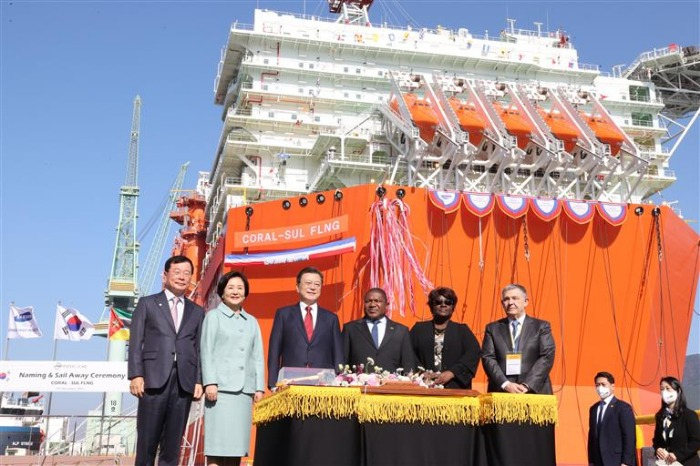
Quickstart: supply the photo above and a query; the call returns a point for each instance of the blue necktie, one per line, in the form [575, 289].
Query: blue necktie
[375, 333]
[516, 337]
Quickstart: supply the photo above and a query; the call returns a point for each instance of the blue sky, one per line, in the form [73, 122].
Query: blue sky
[69, 72]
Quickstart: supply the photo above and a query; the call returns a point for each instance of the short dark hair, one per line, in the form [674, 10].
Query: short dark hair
[680, 404]
[309, 270]
[445, 292]
[514, 286]
[178, 260]
[223, 281]
[606, 375]
[377, 290]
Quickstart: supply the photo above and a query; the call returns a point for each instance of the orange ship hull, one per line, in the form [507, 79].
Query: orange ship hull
[422, 114]
[613, 304]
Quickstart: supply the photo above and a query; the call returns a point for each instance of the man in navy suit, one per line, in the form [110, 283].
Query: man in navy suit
[375, 336]
[304, 334]
[611, 427]
[164, 364]
[518, 351]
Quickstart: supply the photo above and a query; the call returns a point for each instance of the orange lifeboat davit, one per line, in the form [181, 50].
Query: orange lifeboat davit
[517, 125]
[422, 114]
[469, 120]
[561, 128]
[606, 132]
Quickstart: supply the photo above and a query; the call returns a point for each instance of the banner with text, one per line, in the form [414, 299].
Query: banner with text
[63, 376]
[291, 234]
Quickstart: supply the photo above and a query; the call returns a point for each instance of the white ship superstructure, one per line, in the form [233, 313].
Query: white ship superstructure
[312, 104]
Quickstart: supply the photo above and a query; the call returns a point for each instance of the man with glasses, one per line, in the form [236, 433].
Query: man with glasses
[375, 336]
[448, 349]
[164, 367]
[518, 350]
[304, 334]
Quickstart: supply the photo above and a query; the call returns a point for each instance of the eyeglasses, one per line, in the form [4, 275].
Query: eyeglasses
[446, 302]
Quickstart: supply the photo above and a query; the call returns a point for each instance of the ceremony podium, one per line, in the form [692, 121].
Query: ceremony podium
[382, 426]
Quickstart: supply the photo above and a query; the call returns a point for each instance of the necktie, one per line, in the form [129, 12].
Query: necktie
[601, 409]
[516, 337]
[375, 333]
[173, 310]
[308, 323]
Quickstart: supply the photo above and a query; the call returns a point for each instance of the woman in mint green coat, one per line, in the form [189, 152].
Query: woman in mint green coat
[233, 373]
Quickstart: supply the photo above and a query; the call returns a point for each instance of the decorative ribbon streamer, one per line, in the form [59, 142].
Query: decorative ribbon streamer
[393, 260]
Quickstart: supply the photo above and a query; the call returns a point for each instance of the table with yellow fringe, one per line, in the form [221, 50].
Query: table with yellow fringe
[372, 426]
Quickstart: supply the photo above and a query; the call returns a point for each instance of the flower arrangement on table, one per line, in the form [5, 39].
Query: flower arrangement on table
[374, 376]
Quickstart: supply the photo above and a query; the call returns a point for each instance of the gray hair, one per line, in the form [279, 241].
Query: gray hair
[514, 286]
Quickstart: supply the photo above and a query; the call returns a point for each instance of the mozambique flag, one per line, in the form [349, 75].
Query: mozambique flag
[124, 316]
[117, 330]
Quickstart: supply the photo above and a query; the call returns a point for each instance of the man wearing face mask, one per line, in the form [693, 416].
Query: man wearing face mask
[611, 428]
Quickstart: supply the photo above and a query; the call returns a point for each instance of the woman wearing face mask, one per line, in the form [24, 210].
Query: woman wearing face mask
[447, 348]
[677, 430]
[232, 373]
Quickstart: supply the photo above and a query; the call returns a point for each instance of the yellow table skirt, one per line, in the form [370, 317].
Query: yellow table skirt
[345, 402]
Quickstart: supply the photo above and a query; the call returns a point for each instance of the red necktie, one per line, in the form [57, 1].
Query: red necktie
[308, 323]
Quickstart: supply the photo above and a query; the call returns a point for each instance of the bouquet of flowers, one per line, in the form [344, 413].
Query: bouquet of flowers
[373, 375]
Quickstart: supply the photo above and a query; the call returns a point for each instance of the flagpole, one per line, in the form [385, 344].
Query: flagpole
[7, 337]
[53, 358]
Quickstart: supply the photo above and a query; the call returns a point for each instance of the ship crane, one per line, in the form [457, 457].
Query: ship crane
[155, 253]
[124, 287]
[122, 290]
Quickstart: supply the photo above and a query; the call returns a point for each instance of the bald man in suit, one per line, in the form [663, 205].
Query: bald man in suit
[375, 336]
[164, 367]
[518, 351]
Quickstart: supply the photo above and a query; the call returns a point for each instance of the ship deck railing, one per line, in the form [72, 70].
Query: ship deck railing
[504, 36]
[654, 54]
[445, 35]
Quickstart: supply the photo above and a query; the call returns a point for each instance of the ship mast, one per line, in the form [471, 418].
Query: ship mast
[351, 11]
[122, 290]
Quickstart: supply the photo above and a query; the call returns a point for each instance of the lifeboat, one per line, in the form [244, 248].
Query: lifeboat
[517, 125]
[422, 114]
[469, 120]
[561, 128]
[606, 132]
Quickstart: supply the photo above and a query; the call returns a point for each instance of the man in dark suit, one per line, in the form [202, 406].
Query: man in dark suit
[518, 351]
[164, 364]
[304, 334]
[375, 336]
[611, 427]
